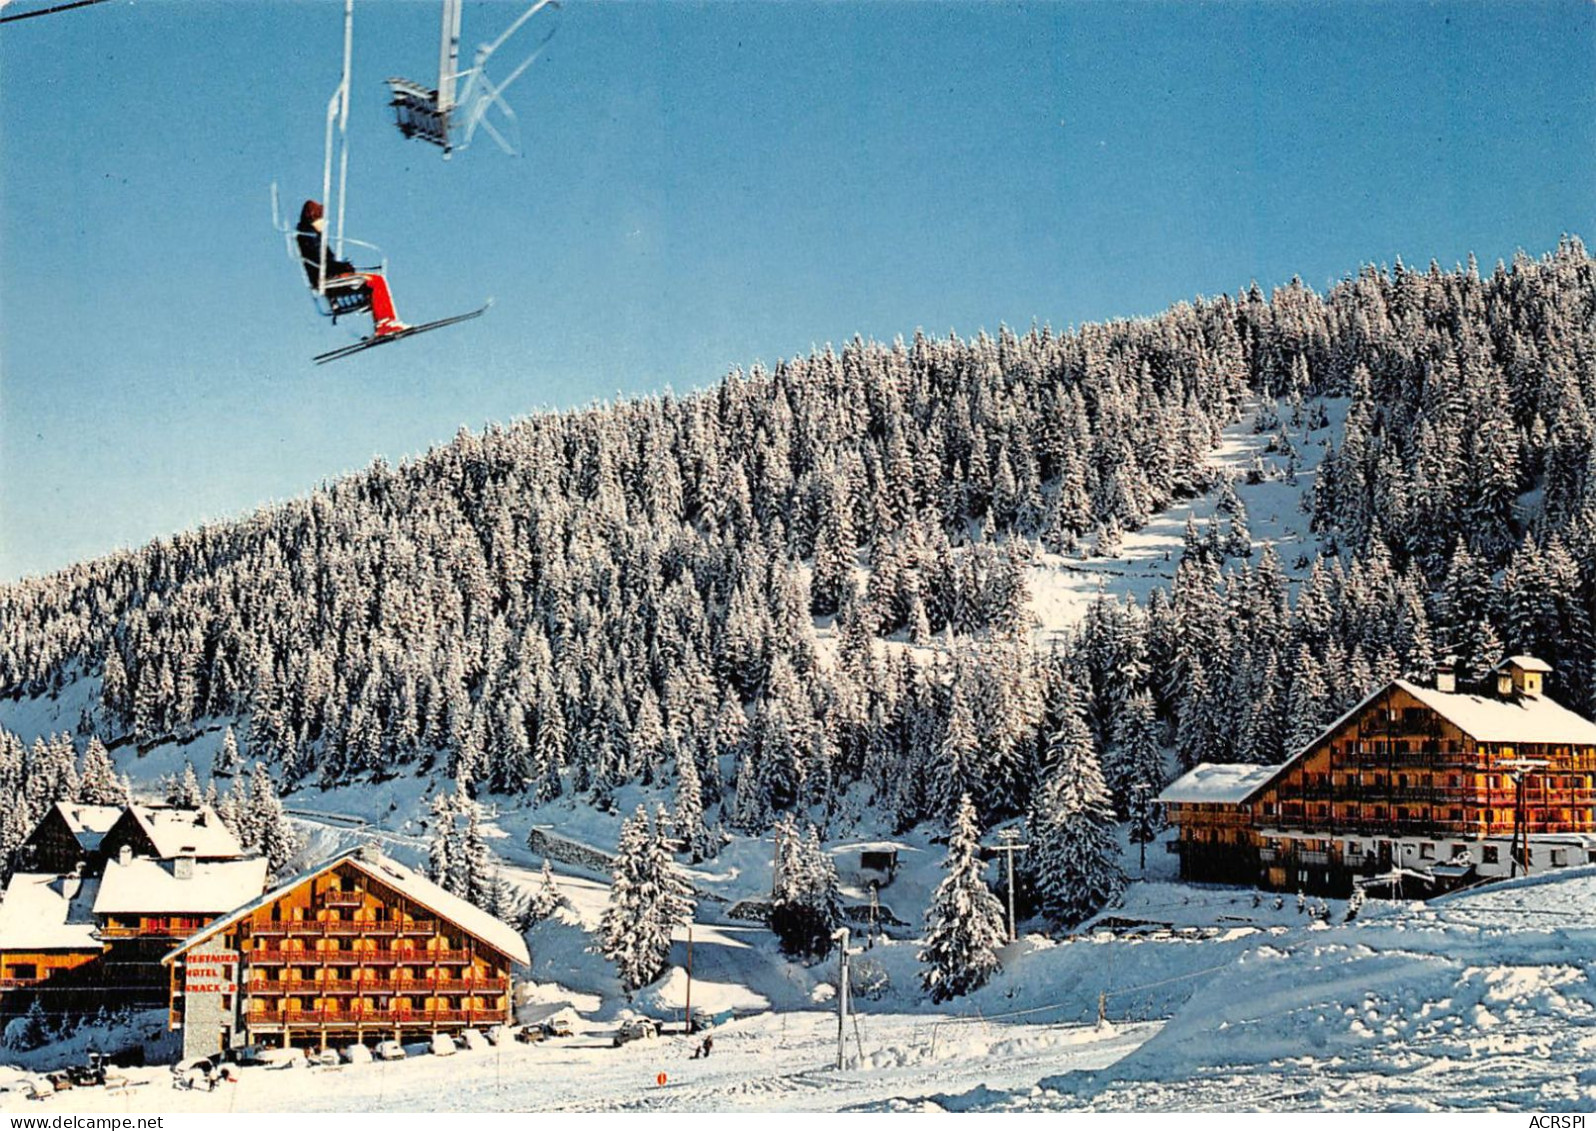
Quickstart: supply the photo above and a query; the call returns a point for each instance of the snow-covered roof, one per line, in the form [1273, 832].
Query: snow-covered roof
[187, 832]
[151, 887]
[1210, 783]
[43, 911]
[1484, 718]
[1528, 663]
[411, 884]
[1487, 718]
[89, 823]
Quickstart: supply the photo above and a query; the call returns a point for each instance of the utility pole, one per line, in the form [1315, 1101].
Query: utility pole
[1006, 844]
[844, 952]
[687, 1026]
[1519, 770]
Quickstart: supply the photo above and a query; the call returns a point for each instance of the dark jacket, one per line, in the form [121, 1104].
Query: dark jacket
[310, 244]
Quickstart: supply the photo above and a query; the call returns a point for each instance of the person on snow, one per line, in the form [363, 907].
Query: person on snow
[312, 235]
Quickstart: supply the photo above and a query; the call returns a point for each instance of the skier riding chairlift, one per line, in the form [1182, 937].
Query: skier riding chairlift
[347, 289]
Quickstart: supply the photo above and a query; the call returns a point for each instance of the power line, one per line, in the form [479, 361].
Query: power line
[50, 11]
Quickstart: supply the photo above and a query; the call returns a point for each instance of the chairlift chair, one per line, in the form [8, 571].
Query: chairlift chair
[437, 115]
[342, 295]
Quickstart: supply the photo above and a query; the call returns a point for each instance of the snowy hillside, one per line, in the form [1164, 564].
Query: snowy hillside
[1063, 587]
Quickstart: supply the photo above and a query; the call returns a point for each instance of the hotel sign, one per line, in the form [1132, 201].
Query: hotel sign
[214, 973]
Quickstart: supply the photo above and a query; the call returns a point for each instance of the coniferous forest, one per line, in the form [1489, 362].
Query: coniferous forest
[631, 592]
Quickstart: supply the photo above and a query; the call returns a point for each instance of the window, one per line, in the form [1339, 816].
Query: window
[1354, 848]
[24, 971]
[1489, 854]
[1426, 851]
[1559, 857]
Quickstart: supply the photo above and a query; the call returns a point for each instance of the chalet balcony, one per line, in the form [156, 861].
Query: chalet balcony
[342, 898]
[338, 1018]
[371, 987]
[171, 928]
[340, 928]
[419, 927]
[1311, 859]
[308, 957]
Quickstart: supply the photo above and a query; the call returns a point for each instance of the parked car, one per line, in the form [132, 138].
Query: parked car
[357, 1054]
[284, 1058]
[558, 1027]
[325, 1058]
[473, 1040]
[530, 1034]
[636, 1029]
[498, 1035]
[442, 1045]
[390, 1050]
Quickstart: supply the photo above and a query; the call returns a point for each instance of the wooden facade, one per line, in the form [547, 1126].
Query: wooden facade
[89, 929]
[1405, 782]
[350, 953]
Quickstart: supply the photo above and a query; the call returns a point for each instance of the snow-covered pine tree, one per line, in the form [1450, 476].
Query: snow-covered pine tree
[97, 784]
[441, 867]
[964, 924]
[647, 900]
[189, 793]
[1139, 767]
[277, 840]
[227, 761]
[628, 907]
[688, 821]
[806, 904]
[546, 899]
[1074, 857]
[480, 867]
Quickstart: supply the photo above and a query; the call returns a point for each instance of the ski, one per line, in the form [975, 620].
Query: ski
[407, 332]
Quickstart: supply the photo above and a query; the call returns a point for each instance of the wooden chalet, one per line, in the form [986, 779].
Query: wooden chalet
[360, 949]
[92, 935]
[68, 839]
[1428, 783]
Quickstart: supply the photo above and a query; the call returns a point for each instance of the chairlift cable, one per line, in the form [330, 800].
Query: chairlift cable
[50, 11]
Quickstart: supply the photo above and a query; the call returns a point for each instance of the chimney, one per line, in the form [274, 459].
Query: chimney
[124, 855]
[1446, 674]
[183, 867]
[370, 853]
[1504, 684]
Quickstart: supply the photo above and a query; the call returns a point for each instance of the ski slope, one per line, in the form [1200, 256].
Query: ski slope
[774, 1062]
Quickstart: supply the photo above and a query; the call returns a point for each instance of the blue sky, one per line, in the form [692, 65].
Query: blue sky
[703, 185]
